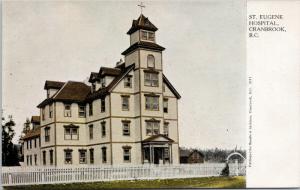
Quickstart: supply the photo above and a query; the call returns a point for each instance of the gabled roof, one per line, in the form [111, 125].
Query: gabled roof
[106, 90]
[158, 138]
[142, 23]
[109, 71]
[53, 84]
[165, 80]
[71, 91]
[32, 133]
[142, 44]
[35, 119]
[93, 77]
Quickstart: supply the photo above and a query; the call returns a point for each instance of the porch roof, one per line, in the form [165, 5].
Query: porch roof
[158, 138]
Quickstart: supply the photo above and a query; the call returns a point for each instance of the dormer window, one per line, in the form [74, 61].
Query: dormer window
[102, 82]
[150, 61]
[147, 35]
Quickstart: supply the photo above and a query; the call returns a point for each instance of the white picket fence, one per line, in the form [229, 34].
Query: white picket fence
[12, 176]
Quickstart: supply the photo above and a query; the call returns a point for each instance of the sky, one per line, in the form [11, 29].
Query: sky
[204, 59]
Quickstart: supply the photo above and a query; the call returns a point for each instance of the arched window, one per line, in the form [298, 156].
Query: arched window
[151, 61]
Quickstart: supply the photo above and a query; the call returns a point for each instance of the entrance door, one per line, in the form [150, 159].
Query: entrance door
[157, 155]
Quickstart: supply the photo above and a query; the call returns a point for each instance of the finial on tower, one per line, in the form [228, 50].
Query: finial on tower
[141, 5]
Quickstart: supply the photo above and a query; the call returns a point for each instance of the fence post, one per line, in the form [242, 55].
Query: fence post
[9, 179]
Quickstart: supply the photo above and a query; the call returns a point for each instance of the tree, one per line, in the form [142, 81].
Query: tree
[9, 150]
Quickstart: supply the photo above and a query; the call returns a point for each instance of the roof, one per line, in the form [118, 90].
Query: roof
[109, 71]
[154, 137]
[168, 83]
[142, 44]
[93, 77]
[70, 92]
[141, 23]
[104, 91]
[73, 91]
[53, 84]
[32, 133]
[35, 119]
[187, 153]
[184, 153]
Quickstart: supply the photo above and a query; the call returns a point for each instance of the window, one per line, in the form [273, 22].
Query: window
[165, 105]
[34, 143]
[82, 156]
[91, 156]
[51, 156]
[51, 111]
[152, 103]
[102, 82]
[125, 103]
[102, 104]
[30, 145]
[27, 160]
[81, 111]
[43, 113]
[44, 157]
[127, 82]
[90, 109]
[104, 159]
[47, 134]
[103, 129]
[30, 158]
[144, 35]
[68, 156]
[27, 144]
[150, 61]
[151, 79]
[166, 129]
[152, 128]
[35, 159]
[91, 131]
[67, 110]
[147, 35]
[126, 128]
[71, 133]
[151, 36]
[126, 154]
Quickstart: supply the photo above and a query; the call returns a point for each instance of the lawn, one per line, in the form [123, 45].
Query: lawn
[207, 182]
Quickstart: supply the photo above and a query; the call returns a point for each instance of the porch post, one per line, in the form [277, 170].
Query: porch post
[150, 151]
[170, 154]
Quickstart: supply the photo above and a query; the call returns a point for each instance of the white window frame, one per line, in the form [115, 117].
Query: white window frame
[126, 128]
[151, 79]
[68, 158]
[81, 111]
[67, 111]
[125, 103]
[82, 156]
[152, 128]
[127, 82]
[103, 126]
[127, 153]
[71, 133]
[152, 103]
[149, 57]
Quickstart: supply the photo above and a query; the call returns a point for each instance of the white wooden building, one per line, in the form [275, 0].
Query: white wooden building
[127, 114]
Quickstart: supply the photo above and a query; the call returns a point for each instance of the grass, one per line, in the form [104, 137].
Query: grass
[207, 182]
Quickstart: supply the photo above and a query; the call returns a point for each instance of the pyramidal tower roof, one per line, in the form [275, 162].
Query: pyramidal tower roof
[142, 23]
